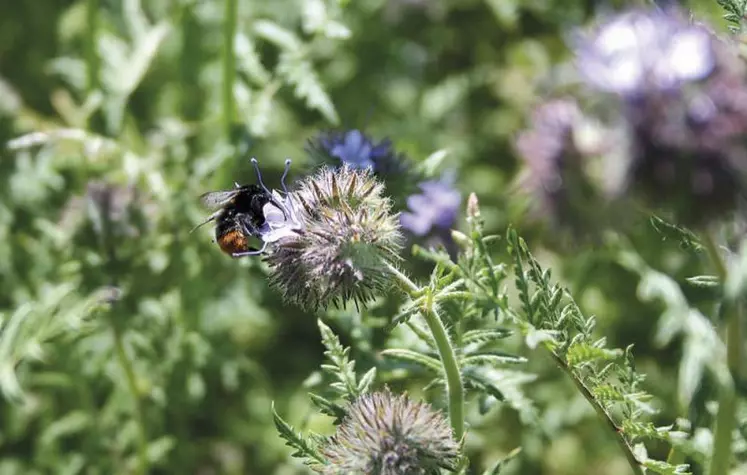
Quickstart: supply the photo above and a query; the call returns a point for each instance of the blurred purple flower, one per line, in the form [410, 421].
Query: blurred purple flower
[643, 50]
[684, 108]
[433, 211]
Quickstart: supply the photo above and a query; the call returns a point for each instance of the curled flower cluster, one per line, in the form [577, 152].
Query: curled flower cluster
[333, 239]
[355, 149]
[432, 204]
[385, 434]
[681, 98]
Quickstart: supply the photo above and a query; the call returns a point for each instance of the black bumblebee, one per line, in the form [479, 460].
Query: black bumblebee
[239, 215]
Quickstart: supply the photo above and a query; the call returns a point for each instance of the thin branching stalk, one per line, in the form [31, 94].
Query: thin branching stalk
[602, 413]
[132, 387]
[229, 65]
[454, 385]
[726, 415]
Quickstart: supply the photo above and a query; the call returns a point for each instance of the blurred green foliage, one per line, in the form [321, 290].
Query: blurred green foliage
[123, 337]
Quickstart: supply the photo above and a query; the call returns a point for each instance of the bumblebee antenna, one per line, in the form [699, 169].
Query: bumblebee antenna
[259, 176]
[285, 174]
[210, 218]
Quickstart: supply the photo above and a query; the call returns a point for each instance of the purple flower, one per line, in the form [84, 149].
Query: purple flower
[355, 149]
[434, 211]
[684, 111]
[644, 50]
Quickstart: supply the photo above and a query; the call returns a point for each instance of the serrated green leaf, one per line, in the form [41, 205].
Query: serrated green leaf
[580, 352]
[328, 407]
[686, 238]
[704, 281]
[481, 383]
[501, 463]
[71, 423]
[664, 468]
[159, 449]
[491, 358]
[419, 359]
[365, 383]
[482, 337]
[299, 72]
[276, 34]
[341, 367]
[303, 449]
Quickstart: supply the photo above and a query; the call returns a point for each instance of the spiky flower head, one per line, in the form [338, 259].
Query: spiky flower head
[334, 240]
[684, 103]
[387, 434]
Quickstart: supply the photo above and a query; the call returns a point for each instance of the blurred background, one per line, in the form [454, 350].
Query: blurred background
[124, 334]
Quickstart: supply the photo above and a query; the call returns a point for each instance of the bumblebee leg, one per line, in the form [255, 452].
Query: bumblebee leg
[250, 253]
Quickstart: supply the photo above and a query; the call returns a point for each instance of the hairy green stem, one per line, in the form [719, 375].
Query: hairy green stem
[407, 285]
[229, 65]
[602, 413]
[726, 415]
[129, 372]
[454, 385]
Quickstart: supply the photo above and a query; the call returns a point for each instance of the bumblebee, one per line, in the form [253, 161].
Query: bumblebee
[239, 216]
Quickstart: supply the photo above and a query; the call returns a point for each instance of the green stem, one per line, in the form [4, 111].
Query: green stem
[451, 368]
[229, 65]
[92, 56]
[602, 413]
[726, 415]
[454, 385]
[407, 285]
[129, 372]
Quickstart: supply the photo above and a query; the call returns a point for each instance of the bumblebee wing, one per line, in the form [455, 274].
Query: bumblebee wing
[217, 199]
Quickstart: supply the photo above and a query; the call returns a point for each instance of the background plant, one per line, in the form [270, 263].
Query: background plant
[118, 114]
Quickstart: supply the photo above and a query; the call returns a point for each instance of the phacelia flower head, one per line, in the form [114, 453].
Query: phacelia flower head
[684, 105]
[556, 150]
[384, 434]
[354, 148]
[333, 240]
[641, 50]
[359, 151]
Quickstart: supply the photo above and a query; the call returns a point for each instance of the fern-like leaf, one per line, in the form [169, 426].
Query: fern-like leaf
[304, 449]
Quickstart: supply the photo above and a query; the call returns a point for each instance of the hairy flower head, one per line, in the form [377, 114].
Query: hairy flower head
[333, 242]
[384, 434]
